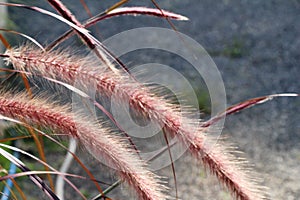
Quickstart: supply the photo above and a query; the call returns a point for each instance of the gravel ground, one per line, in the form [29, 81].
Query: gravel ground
[255, 45]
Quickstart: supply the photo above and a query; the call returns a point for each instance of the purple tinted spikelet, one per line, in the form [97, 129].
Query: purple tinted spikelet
[102, 143]
[231, 171]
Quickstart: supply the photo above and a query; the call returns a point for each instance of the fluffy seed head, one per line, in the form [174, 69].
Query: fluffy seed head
[232, 172]
[101, 142]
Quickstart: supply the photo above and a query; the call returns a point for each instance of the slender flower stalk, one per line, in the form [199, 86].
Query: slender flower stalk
[102, 143]
[220, 160]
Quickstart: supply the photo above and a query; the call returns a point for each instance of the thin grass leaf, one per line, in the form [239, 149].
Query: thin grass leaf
[28, 173]
[86, 8]
[6, 195]
[60, 182]
[116, 5]
[40, 147]
[146, 11]
[66, 13]
[18, 188]
[7, 191]
[43, 163]
[46, 12]
[88, 39]
[88, 11]
[167, 18]
[9, 184]
[34, 178]
[91, 41]
[134, 11]
[118, 12]
[244, 105]
[70, 32]
[5, 42]
[172, 162]
[107, 190]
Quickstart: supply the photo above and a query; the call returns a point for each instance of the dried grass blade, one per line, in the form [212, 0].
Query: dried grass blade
[44, 163]
[244, 105]
[37, 180]
[6, 44]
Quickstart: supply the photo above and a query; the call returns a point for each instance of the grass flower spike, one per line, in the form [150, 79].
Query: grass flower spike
[101, 142]
[220, 160]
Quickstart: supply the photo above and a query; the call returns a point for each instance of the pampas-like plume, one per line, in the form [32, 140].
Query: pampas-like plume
[231, 171]
[102, 143]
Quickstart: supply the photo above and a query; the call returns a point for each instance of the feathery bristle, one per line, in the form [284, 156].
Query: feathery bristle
[102, 143]
[221, 162]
